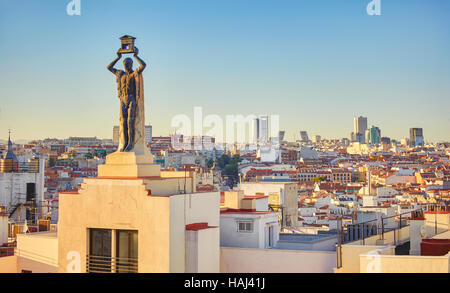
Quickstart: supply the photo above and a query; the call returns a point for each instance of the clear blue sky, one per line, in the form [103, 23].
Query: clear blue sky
[316, 63]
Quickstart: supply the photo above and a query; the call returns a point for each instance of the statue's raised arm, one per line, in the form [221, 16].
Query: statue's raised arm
[139, 60]
[111, 65]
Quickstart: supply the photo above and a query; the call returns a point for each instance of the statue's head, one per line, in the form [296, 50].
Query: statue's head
[128, 64]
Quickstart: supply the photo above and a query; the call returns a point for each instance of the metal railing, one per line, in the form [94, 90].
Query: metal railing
[366, 229]
[106, 264]
[378, 226]
[436, 208]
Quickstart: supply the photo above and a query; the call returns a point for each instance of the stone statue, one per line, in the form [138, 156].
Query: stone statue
[130, 88]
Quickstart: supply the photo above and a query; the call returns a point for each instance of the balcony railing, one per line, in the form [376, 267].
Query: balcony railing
[372, 228]
[105, 264]
[379, 226]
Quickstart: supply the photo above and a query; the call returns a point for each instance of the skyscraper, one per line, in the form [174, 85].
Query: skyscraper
[261, 129]
[416, 137]
[148, 133]
[360, 127]
[345, 141]
[264, 129]
[256, 130]
[367, 136]
[304, 136]
[385, 140]
[116, 134]
[359, 137]
[281, 135]
[374, 135]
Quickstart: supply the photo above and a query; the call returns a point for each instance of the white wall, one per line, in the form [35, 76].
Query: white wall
[3, 229]
[370, 200]
[262, 204]
[191, 252]
[249, 260]
[177, 234]
[203, 207]
[384, 261]
[416, 236]
[37, 252]
[13, 187]
[209, 251]
[189, 209]
[202, 251]
[230, 237]
[350, 257]
[288, 196]
[304, 212]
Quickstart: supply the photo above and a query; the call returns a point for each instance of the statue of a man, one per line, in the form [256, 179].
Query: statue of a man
[128, 88]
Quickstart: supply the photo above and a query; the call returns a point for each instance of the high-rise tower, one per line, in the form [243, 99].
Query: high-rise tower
[360, 125]
[416, 137]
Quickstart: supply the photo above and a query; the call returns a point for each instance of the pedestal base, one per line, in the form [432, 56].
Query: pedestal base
[129, 165]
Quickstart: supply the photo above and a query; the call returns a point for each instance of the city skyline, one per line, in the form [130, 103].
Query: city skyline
[253, 128]
[392, 69]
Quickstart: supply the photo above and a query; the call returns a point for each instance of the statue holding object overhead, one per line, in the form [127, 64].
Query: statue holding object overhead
[130, 86]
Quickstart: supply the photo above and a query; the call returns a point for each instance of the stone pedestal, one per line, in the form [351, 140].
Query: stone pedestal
[136, 164]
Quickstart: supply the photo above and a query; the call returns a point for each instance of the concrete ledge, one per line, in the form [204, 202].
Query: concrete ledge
[128, 158]
[129, 164]
[129, 170]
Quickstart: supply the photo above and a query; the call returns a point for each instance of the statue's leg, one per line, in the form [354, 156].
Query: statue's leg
[131, 128]
[124, 120]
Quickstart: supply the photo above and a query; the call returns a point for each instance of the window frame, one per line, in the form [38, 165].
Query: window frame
[103, 244]
[129, 232]
[249, 222]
